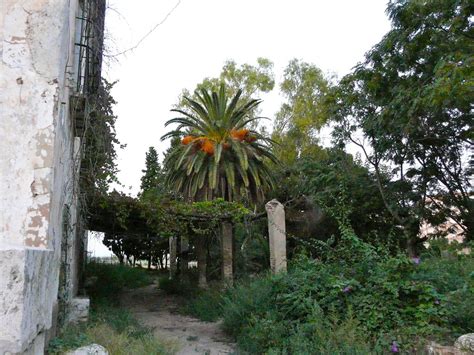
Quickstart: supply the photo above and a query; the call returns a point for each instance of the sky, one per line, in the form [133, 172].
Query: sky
[200, 35]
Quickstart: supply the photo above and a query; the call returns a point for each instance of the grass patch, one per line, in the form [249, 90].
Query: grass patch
[110, 279]
[110, 325]
[115, 329]
[204, 304]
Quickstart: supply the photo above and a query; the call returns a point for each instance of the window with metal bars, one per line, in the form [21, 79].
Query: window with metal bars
[88, 46]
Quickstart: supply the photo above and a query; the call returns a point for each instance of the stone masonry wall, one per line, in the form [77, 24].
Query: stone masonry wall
[37, 163]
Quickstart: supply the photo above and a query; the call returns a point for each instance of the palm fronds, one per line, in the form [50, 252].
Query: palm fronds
[219, 156]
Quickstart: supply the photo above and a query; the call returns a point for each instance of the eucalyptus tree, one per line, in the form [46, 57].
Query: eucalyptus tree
[303, 112]
[252, 80]
[220, 156]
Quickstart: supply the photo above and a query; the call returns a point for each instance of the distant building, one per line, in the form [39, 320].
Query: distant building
[449, 229]
[51, 60]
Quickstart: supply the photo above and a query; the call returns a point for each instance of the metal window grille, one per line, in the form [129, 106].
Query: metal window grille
[89, 46]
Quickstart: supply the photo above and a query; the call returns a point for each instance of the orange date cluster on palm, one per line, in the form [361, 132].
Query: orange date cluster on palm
[208, 146]
[243, 135]
[200, 143]
[186, 140]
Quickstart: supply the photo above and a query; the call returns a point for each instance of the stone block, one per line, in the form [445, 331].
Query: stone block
[93, 349]
[437, 349]
[78, 310]
[465, 343]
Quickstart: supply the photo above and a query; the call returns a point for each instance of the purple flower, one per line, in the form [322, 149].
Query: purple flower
[347, 289]
[437, 301]
[416, 260]
[394, 347]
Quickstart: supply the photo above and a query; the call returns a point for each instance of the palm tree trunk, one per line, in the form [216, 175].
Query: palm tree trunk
[202, 261]
[227, 253]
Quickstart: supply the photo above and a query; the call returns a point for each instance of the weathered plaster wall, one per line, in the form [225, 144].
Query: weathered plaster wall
[36, 164]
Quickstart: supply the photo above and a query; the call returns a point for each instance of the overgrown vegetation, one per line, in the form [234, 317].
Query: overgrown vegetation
[412, 101]
[355, 300]
[110, 325]
[361, 278]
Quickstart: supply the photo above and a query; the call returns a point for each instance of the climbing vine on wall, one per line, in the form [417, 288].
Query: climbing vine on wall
[98, 165]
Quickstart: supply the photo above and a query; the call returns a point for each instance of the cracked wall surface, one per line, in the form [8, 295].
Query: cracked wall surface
[37, 167]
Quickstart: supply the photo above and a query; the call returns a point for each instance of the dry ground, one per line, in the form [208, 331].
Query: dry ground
[155, 309]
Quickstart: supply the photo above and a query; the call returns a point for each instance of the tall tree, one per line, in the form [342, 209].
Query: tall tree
[152, 179]
[219, 156]
[251, 80]
[412, 100]
[301, 116]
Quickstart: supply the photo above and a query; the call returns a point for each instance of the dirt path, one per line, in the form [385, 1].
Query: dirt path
[159, 311]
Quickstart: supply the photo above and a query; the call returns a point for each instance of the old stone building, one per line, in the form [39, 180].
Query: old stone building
[50, 64]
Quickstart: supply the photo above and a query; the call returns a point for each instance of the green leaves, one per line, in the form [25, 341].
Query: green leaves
[219, 155]
[152, 181]
[412, 100]
[304, 112]
[241, 154]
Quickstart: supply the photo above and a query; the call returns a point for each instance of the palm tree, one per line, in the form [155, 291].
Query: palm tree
[219, 156]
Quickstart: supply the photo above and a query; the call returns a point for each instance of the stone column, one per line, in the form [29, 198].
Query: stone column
[173, 246]
[184, 250]
[277, 235]
[226, 244]
[201, 260]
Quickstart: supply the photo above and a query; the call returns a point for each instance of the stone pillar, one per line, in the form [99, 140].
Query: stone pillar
[184, 250]
[277, 235]
[201, 261]
[173, 246]
[226, 244]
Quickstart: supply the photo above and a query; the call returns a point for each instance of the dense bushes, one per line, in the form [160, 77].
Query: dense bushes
[109, 279]
[367, 301]
[452, 274]
[357, 300]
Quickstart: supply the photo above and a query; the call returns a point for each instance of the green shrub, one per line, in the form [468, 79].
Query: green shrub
[452, 274]
[356, 300]
[74, 336]
[205, 305]
[321, 336]
[110, 279]
[244, 302]
[176, 286]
